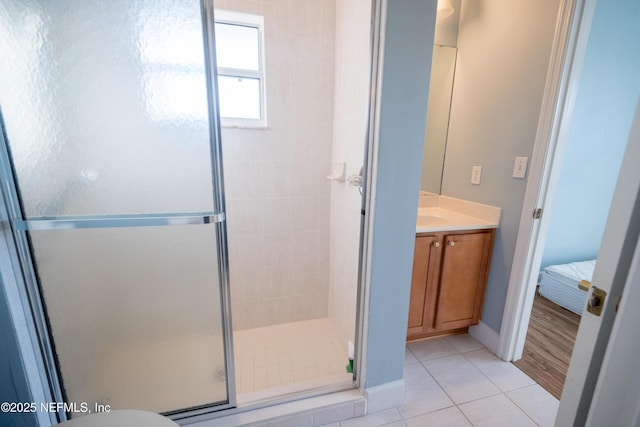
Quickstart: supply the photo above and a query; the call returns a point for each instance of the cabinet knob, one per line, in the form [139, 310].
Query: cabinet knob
[436, 244]
[451, 243]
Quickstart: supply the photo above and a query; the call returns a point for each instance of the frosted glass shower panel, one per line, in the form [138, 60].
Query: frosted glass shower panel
[135, 314]
[105, 105]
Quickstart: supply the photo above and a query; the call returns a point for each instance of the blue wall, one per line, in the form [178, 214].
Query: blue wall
[607, 95]
[405, 85]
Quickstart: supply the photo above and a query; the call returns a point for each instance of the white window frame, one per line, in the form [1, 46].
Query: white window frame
[255, 21]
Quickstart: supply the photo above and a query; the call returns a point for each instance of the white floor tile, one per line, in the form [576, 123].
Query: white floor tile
[449, 417]
[460, 378]
[422, 392]
[376, 419]
[495, 411]
[503, 374]
[536, 402]
[464, 342]
[408, 356]
[396, 424]
[431, 348]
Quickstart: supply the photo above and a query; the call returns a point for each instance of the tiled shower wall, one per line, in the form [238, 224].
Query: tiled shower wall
[275, 179]
[349, 132]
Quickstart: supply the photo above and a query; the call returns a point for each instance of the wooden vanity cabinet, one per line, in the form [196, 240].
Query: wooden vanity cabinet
[449, 279]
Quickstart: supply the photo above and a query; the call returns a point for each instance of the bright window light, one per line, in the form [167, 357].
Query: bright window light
[239, 97]
[237, 47]
[240, 61]
[175, 86]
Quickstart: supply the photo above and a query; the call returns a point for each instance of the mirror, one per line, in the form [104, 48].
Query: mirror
[435, 139]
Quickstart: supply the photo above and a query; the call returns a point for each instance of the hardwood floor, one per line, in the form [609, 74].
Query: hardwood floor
[549, 344]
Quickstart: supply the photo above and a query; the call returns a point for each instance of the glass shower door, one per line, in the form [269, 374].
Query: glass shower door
[116, 187]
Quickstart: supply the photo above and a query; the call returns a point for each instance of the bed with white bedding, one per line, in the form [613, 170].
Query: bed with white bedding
[559, 284]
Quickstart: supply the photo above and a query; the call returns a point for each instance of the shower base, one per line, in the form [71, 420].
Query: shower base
[288, 358]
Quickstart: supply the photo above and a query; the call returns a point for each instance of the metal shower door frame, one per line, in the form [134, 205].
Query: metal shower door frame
[20, 250]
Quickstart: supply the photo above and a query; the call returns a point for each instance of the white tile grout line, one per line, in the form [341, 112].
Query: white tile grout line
[473, 400]
[505, 392]
[273, 369]
[457, 405]
[462, 353]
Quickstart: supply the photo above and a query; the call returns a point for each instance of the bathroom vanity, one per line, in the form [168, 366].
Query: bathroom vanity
[454, 241]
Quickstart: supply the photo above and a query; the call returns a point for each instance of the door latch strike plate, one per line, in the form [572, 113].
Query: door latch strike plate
[596, 301]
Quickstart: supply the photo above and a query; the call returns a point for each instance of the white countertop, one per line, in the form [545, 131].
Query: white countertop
[442, 213]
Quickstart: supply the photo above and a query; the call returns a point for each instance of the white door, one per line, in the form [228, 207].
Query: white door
[620, 372]
[603, 381]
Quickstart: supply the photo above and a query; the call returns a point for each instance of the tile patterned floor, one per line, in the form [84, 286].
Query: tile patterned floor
[303, 354]
[455, 381]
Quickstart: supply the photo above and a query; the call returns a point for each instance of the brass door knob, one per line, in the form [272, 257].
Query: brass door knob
[436, 244]
[451, 243]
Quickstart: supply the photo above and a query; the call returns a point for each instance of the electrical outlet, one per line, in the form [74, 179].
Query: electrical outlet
[520, 167]
[476, 173]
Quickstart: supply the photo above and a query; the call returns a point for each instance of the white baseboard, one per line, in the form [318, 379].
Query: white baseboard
[487, 336]
[384, 396]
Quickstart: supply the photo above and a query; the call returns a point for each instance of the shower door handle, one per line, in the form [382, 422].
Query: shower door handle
[118, 221]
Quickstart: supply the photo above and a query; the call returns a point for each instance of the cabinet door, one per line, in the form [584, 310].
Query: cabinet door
[462, 279]
[423, 254]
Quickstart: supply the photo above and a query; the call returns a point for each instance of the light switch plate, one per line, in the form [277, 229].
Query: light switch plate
[520, 167]
[476, 173]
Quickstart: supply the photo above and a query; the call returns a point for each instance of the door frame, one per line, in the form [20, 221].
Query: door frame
[567, 57]
[14, 280]
[24, 322]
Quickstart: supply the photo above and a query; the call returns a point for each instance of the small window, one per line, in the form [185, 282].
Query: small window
[240, 60]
